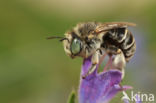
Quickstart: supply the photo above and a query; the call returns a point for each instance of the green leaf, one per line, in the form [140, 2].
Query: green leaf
[71, 98]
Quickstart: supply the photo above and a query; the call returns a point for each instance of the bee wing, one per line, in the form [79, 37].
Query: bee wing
[112, 25]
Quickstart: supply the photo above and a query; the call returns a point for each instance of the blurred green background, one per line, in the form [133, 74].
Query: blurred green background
[36, 70]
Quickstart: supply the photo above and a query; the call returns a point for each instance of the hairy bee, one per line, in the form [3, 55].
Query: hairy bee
[87, 39]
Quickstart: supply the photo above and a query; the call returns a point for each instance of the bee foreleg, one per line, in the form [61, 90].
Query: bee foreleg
[95, 61]
[91, 70]
[95, 58]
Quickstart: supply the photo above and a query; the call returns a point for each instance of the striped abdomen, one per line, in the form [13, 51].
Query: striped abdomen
[120, 38]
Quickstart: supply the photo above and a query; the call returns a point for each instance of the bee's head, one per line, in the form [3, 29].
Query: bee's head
[72, 44]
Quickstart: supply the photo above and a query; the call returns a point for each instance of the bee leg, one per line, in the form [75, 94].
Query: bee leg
[119, 62]
[101, 59]
[91, 70]
[95, 61]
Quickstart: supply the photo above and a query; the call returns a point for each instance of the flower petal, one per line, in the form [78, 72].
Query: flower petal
[99, 88]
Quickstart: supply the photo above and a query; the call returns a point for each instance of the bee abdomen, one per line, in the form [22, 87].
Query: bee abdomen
[117, 34]
[130, 52]
[128, 46]
[128, 40]
[122, 39]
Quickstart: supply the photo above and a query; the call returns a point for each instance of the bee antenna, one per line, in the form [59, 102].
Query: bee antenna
[54, 37]
[57, 37]
[64, 39]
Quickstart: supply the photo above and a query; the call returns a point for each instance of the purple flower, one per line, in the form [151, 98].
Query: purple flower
[99, 87]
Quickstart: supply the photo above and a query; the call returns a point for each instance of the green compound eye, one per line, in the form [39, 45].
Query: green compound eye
[76, 46]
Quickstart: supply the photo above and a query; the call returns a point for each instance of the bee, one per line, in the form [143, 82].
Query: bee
[92, 38]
